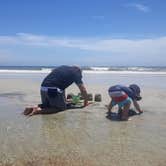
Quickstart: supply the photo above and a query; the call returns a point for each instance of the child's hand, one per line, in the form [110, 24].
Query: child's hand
[109, 110]
[140, 112]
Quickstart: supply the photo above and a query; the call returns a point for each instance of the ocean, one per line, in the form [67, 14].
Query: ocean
[147, 77]
[87, 69]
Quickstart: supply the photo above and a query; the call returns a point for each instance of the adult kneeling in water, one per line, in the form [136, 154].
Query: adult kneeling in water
[123, 96]
[53, 90]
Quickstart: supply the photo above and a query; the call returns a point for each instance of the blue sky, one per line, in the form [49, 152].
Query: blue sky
[83, 32]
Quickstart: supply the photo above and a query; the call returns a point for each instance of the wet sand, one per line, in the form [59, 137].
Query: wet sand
[79, 137]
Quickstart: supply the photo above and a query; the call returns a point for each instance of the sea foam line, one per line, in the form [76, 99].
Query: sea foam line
[124, 72]
[84, 71]
[25, 71]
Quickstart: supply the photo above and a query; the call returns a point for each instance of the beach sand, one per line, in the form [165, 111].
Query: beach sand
[80, 137]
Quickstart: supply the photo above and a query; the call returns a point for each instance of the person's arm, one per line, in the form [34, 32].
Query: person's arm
[110, 106]
[136, 105]
[83, 93]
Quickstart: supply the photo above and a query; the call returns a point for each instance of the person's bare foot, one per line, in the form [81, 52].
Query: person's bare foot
[36, 110]
[28, 110]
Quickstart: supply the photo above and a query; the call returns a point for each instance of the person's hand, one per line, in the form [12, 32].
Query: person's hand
[86, 103]
[140, 112]
[109, 109]
[69, 101]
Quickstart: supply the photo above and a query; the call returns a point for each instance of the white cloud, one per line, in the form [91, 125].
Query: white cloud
[144, 48]
[139, 7]
[112, 44]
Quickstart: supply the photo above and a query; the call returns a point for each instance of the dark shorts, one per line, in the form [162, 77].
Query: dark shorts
[53, 99]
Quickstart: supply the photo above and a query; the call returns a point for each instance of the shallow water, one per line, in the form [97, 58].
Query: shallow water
[80, 137]
[106, 79]
[83, 137]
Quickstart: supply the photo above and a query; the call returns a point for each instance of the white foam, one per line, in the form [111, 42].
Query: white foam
[25, 71]
[124, 72]
[48, 70]
[99, 68]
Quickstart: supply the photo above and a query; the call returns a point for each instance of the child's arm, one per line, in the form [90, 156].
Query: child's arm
[136, 105]
[110, 106]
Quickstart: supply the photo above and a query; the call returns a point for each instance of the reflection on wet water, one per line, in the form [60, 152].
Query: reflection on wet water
[12, 94]
[82, 137]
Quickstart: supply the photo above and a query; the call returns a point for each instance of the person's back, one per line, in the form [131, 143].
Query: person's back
[123, 88]
[62, 77]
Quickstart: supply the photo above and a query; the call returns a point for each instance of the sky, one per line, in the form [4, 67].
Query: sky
[83, 32]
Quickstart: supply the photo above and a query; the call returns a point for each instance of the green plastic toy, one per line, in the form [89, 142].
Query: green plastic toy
[75, 99]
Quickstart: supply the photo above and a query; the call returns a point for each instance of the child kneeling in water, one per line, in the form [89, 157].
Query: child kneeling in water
[123, 96]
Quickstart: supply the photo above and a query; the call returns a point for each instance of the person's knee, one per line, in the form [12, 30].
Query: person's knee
[62, 108]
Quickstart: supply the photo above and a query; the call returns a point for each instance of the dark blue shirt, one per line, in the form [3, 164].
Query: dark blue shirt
[125, 89]
[62, 77]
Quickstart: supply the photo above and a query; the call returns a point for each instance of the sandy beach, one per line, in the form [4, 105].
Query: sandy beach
[82, 137]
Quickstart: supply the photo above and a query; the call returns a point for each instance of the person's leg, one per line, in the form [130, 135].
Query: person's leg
[124, 107]
[61, 102]
[120, 112]
[52, 102]
[125, 111]
[110, 106]
[44, 99]
[58, 101]
[42, 108]
[35, 109]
